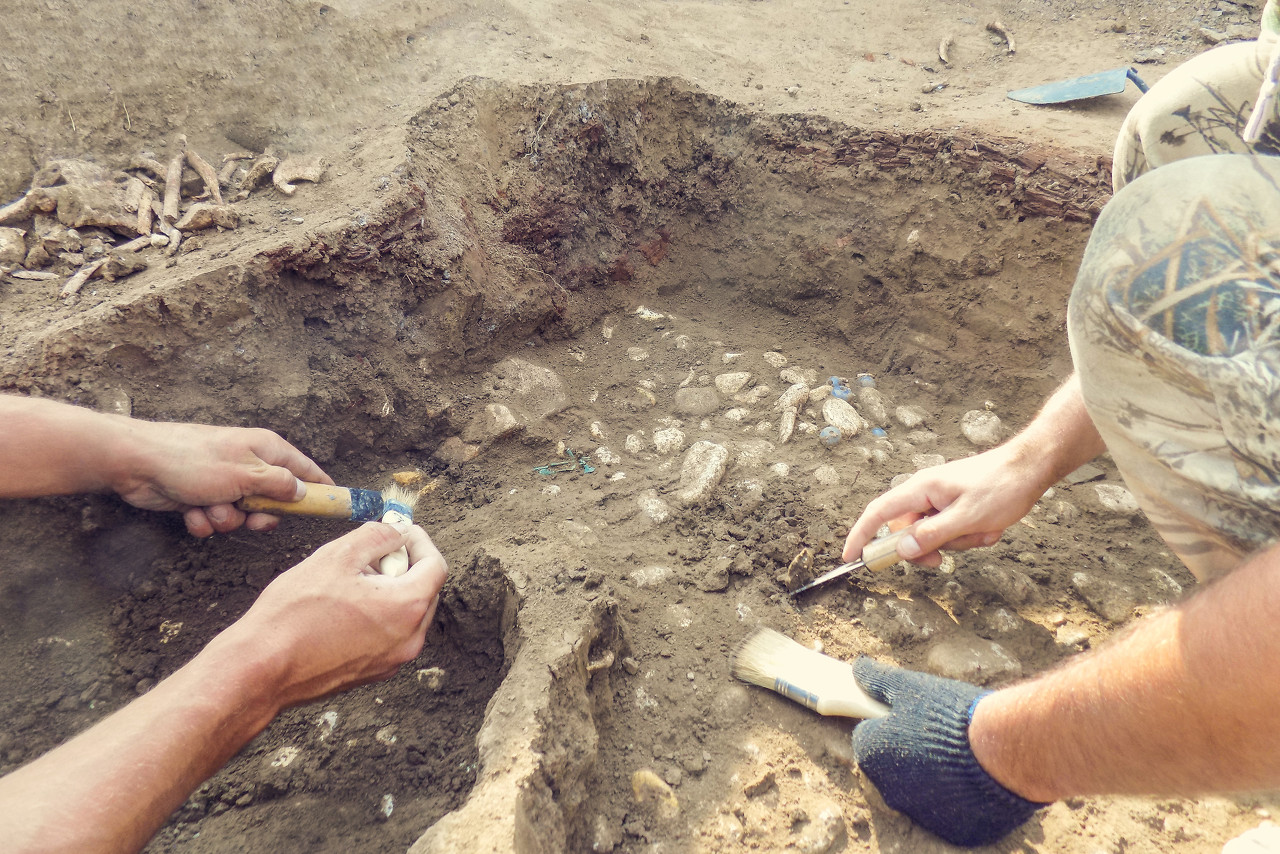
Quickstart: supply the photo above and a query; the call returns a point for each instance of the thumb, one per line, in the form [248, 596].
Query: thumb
[932, 533]
[881, 681]
[276, 482]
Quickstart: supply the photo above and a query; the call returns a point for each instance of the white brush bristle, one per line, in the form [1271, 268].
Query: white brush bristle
[401, 495]
[819, 682]
[767, 655]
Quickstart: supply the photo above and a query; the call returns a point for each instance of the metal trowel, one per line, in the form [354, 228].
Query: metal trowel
[1078, 88]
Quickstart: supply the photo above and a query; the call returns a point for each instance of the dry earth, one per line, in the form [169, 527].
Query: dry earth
[577, 224]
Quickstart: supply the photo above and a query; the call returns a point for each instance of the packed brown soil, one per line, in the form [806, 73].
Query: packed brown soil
[576, 211]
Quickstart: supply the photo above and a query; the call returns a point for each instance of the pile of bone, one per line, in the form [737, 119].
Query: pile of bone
[81, 220]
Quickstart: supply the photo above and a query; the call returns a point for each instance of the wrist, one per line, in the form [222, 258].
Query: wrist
[245, 673]
[997, 736]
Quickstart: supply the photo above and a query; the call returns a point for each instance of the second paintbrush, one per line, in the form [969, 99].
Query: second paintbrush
[336, 502]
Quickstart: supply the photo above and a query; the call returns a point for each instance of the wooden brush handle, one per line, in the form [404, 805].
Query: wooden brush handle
[883, 553]
[321, 500]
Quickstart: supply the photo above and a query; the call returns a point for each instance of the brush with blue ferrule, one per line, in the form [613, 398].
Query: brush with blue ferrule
[336, 502]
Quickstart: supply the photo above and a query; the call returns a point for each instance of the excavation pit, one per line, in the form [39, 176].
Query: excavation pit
[623, 269]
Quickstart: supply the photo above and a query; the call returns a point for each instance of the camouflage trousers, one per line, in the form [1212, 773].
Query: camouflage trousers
[1174, 325]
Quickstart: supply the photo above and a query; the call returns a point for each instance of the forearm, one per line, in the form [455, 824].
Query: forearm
[1184, 703]
[123, 777]
[1060, 439]
[51, 448]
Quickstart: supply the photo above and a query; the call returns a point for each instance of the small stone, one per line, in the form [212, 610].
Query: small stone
[1109, 599]
[807, 377]
[13, 250]
[669, 441]
[1117, 499]
[1012, 585]
[872, 405]
[697, 401]
[630, 665]
[704, 466]
[927, 461]
[1147, 57]
[1073, 637]
[922, 437]
[732, 383]
[637, 354]
[839, 413]
[793, 398]
[972, 659]
[454, 450]
[910, 417]
[496, 421]
[753, 453]
[115, 401]
[827, 475]
[431, 678]
[650, 576]
[980, 427]
[648, 787]
[653, 506]
[635, 443]
[1084, 474]
[824, 832]
[775, 360]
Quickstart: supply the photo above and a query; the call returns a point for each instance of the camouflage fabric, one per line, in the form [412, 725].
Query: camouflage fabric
[1201, 107]
[1174, 325]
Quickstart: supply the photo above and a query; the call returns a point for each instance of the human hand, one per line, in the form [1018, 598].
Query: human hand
[920, 759]
[969, 503]
[201, 470]
[333, 622]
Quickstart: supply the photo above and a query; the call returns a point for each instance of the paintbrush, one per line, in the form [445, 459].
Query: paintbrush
[819, 682]
[393, 504]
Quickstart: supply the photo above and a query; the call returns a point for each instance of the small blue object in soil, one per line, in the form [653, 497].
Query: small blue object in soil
[866, 381]
[829, 436]
[879, 431]
[839, 389]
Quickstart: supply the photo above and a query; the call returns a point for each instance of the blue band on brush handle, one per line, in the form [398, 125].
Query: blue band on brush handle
[403, 509]
[366, 505]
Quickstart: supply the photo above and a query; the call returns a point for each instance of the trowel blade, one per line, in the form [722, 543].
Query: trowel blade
[1078, 88]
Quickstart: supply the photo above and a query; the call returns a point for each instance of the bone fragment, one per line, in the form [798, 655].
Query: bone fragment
[237, 155]
[167, 229]
[944, 49]
[35, 201]
[227, 171]
[203, 169]
[34, 275]
[203, 215]
[291, 170]
[260, 171]
[133, 194]
[145, 212]
[149, 164]
[1002, 31]
[172, 188]
[134, 245]
[76, 282]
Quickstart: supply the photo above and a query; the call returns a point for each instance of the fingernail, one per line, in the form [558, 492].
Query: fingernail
[908, 547]
[300, 492]
[402, 525]
[219, 514]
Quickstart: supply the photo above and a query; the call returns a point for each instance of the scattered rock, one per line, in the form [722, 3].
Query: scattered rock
[732, 383]
[650, 576]
[1084, 474]
[927, 461]
[1012, 585]
[827, 475]
[793, 397]
[980, 427]
[637, 354]
[697, 401]
[496, 421]
[823, 832]
[799, 571]
[1117, 499]
[13, 250]
[910, 417]
[647, 787]
[972, 659]
[1073, 637]
[1109, 599]
[669, 441]
[529, 388]
[1148, 57]
[704, 466]
[203, 215]
[799, 376]
[454, 450]
[115, 401]
[839, 413]
[871, 402]
[753, 453]
[653, 506]
[775, 360]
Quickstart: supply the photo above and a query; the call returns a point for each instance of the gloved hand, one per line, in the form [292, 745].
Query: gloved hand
[920, 759]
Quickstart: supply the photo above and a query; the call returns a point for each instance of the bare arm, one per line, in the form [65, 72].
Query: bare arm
[323, 626]
[1185, 703]
[977, 497]
[51, 448]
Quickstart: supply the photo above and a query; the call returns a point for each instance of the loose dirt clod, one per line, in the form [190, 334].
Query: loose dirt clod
[203, 215]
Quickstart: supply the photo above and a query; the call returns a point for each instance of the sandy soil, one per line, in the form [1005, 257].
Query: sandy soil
[508, 256]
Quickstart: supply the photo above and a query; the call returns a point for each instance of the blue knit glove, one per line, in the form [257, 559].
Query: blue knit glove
[920, 759]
